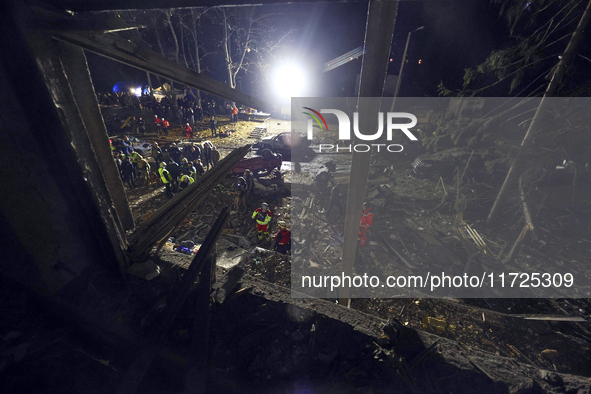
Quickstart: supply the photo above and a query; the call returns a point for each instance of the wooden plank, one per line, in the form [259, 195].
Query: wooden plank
[381, 19]
[136, 55]
[196, 380]
[103, 5]
[135, 374]
[76, 69]
[74, 217]
[101, 23]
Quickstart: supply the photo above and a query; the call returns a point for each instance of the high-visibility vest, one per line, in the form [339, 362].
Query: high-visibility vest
[186, 178]
[366, 219]
[262, 220]
[134, 157]
[164, 175]
[283, 237]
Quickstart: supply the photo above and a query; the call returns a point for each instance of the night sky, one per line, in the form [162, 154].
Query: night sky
[457, 34]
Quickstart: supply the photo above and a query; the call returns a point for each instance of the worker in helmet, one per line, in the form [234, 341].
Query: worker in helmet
[262, 216]
[249, 183]
[166, 178]
[366, 221]
[282, 238]
[188, 131]
[186, 180]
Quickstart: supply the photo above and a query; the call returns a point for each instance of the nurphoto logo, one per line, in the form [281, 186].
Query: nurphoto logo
[345, 129]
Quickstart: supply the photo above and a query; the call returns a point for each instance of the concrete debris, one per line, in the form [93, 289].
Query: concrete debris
[552, 378]
[239, 240]
[148, 270]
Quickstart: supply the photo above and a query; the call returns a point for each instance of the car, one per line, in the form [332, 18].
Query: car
[282, 143]
[258, 165]
[144, 148]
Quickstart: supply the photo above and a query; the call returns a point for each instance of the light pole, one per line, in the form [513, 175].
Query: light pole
[403, 59]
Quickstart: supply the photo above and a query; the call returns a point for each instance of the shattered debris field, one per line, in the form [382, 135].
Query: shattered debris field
[415, 225]
[263, 338]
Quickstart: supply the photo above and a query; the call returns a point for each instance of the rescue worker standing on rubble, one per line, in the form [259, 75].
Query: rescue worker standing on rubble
[212, 125]
[175, 172]
[215, 156]
[249, 183]
[166, 178]
[135, 157]
[335, 199]
[262, 216]
[188, 131]
[165, 126]
[157, 153]
[127, 172]
[366, 221]
[282, 238]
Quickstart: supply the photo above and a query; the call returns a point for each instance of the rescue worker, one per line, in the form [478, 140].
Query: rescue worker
[206, 150]
[143, 168]
[127, 172]
[166, 178]
[212, 125]
[193, 154]
[134, 157]
[175, 153]
[335, 199]
[141, 126]
[198, 168]
[249, 183]
[175, 172]
[234, 114]
[184, 166]
[366, 221]
[282, 238]
[165, 126]
[186, 180]
[158, 124]
[215, 156]
[188, 131]
[241, 194]
[262, 216]
[157, 153]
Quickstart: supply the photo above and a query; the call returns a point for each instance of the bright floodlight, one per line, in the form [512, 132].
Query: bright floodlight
[288, 81]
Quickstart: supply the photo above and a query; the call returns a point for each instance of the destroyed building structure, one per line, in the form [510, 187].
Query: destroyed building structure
[69, 242]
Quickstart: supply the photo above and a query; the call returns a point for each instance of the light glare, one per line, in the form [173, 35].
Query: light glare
[289, 81]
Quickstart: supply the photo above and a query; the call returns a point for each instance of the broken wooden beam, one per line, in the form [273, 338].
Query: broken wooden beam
[135, 374]
[174, 211]
[528, 230]
[381, 19]
[197, 371]
[111, 5]
[99, 23]
[136, 55]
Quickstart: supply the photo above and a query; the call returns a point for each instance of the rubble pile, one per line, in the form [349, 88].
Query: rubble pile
[416, 226]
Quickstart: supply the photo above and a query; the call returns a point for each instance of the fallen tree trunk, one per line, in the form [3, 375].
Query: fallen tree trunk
[173, 212]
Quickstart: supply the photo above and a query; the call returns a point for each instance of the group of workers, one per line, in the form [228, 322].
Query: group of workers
[262, 216]
[184, 167]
